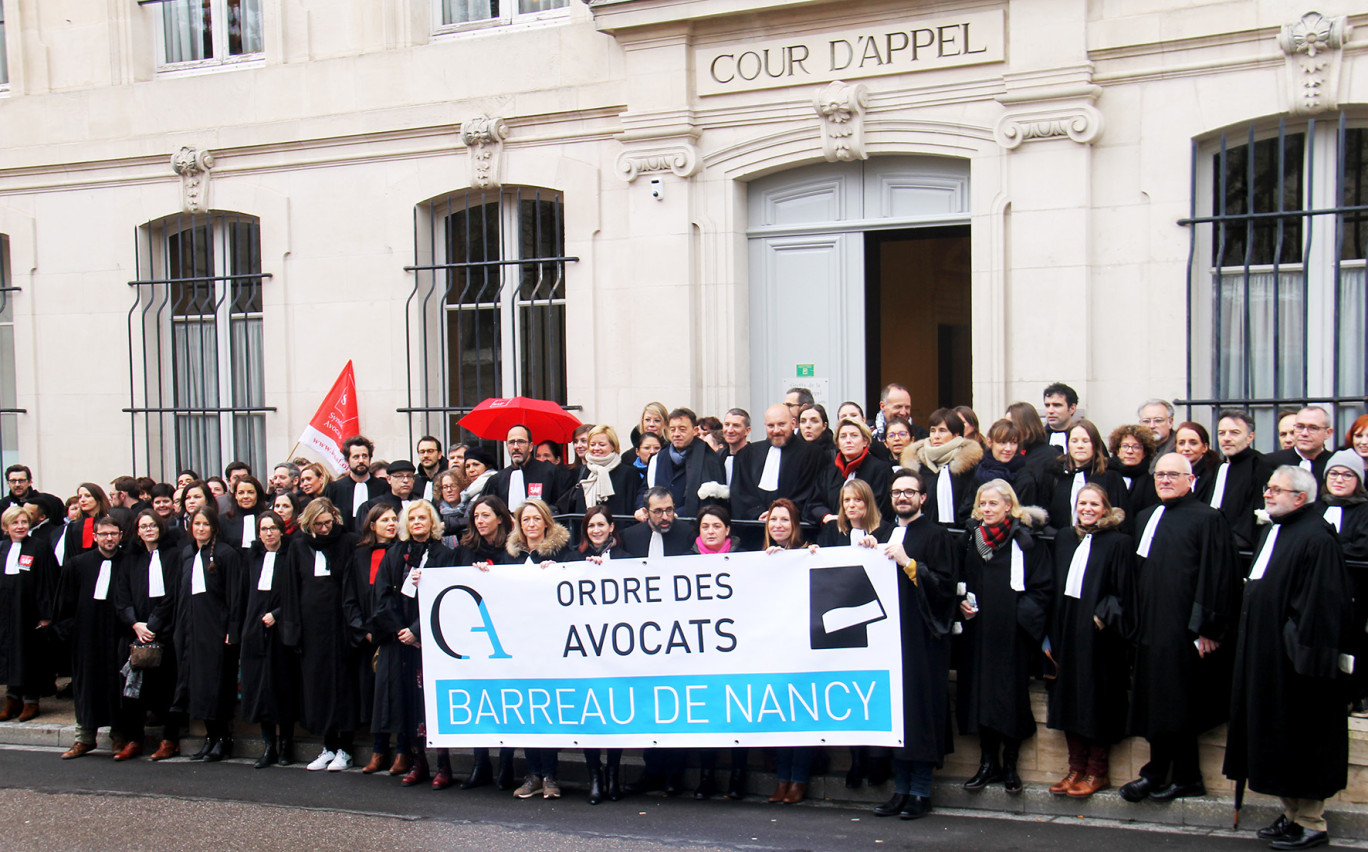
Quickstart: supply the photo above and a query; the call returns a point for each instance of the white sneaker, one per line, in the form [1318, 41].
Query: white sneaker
[340, 762]
[324, 759]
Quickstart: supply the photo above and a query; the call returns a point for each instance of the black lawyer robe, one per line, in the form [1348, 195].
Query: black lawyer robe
[799, 467]
[830, 535]
[1287, 732]
[1061, 509]
[626, 480]
[313, 600]
[239, 530]
[1352, 529]
[1243, 493]
[1292, 457]
[636, 539]
[959, 471]
[1139, 482]
[270, 665]
[342, 493]
[358, 608]
[26, 598]
[1187, 587]
[542, 480]
[135, 604]
[998, 643]
[1089, 696]
[208, 627]
[826, 499]
[93, 628]
[398, 669]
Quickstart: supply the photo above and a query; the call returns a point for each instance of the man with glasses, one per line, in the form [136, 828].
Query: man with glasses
[1157, 416]
[401, 481]
[21, 490]
[525, 476]
[1311, 430]
[1287, 733]
[430, 463]
[86, 616]
[1187, 600]
[662, 534]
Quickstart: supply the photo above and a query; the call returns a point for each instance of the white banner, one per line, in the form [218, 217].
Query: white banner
[743, 649]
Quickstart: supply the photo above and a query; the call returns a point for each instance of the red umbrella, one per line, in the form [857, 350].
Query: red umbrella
[493, 418]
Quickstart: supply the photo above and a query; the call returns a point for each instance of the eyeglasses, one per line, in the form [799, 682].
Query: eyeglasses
[1341, 474]
[1276, 490]
[108, 534]
[18, 480]
[1308, 427]
[660, 513]
[1170, 474]
[1153, 421]
[146, 527]
[904, 492]
[1130, 448]
[517, 442]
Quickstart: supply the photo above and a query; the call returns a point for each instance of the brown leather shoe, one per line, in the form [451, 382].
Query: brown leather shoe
[129, 751]
[417, 775]
[401, 765]
[1065, 784]
[780, 792]
[78, 750]
[12, 708]
[796, 793]
[376, 763]
[1089, 784]
[165, 750]
[30, 710]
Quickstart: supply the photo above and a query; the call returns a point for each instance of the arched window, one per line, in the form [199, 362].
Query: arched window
[196, 375]
[486, 316]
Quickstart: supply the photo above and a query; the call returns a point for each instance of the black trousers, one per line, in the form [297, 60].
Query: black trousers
[1175, 753]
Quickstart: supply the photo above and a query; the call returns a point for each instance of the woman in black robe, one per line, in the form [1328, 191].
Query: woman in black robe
[313, 478]
[853, 460]
[1193, 442]
[1084, 462]
[208, 627]
[1008, 583]
[482, 545]
[1093, 563]
[287, 506]
[145, 600]
[379, 530]
[270, 666]
[605, 478]
[319, 561]
[239, 522]
[92, 504]
[1132, 449]
[1003, 460]
[946, 459]
[399, 668]
[1344, 505]
[815, 428]
[28, 589]
[1040, 456]
[859, 519]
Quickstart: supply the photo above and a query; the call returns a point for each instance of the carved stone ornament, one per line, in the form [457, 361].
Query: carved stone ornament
[841, 107]
[1081, 122]
[679, 159]
[193, 165]
[484, 136]
[1312, 47]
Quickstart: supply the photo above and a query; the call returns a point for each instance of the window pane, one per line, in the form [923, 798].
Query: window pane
[249, 439]
[1273, 185]
[1354, 229]
[244, 27]
[188, 29]
[528, 6]
[475, 355]
[197, 442]
[1261, 333]
[244, 258]
[4, 55]
[247, 365]
[464, 11]
[188, 264]
[543, 351]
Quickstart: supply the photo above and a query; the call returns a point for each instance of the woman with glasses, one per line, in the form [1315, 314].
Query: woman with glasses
[1344, 505]
[1132, 449]
[270, 666]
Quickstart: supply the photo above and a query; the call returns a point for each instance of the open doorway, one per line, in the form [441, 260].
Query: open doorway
[917, 316]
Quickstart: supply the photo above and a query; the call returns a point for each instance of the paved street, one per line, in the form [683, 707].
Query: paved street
[94, 803]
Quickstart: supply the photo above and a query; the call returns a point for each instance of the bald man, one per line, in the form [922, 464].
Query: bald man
[779, 466]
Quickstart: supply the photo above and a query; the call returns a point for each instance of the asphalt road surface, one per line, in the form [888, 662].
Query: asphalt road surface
[94, 803]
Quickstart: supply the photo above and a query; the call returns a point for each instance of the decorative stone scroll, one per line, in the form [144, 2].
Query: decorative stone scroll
[679, 159]
[1080, 122]
[1312, 47]
[484, 136]
[841, 107]
[193, 165]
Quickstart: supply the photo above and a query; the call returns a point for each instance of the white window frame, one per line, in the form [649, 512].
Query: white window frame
[221, 59]
[505, 19]
[4, 54]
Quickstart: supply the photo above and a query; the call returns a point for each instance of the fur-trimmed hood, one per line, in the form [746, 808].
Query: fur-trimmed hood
[964, 456]
[557, 538]
[1034, 517]
[1109, 521]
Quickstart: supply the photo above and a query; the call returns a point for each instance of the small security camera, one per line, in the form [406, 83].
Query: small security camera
[657, 189]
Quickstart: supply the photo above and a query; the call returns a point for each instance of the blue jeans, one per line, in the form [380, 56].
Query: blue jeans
[793, 764]
[913, 777]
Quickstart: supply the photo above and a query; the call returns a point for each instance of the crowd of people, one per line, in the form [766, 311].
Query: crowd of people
[1111, 568]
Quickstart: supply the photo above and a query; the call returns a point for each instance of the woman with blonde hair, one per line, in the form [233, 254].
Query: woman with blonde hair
[313, 478]
[853, 461]
[860, 522]
[605, 478]
[28, 590]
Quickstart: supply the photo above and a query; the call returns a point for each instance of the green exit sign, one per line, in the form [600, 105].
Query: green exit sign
[806, 371]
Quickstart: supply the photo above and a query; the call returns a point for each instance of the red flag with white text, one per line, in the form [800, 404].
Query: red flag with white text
[336, 420]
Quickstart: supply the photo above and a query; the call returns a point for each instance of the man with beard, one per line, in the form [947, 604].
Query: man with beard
[1157, 416]
[86, 616]
[525, 476]
[1311, 429]
[1287, 735]
[922, 550]
[284, 479]
[351, 492]
[662, 534]
[1187, 600]
[736, 426]
[430, 463]
[1237, 487]
[684, 466]
[779, 466]
[21, 490]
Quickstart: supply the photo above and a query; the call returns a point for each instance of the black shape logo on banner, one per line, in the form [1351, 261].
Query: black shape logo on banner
[842, 603]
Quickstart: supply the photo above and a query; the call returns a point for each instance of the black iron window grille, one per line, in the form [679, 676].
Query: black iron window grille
[196, 379]
[1277, 302]
[486, 315]
[9, 412]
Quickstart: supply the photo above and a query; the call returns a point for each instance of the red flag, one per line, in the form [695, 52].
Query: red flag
[335, 421]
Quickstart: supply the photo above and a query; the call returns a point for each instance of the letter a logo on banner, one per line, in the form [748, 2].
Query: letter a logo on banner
[335, 421]
[843, 603]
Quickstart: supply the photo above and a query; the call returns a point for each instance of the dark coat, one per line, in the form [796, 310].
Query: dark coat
[1287, 733]
[342, 494]
[827, 499]
[1061, 509]
[358, 607]
[701, 465]
[93, 628]
[134, 604]
[1139, 482]
[541, 476]
[206, 673]
[270, 665]
[626, 480]
[399, 667]
[27, 598]
[830, 535]
[636, 540]
[1275, 460]
[1246, 477]
[313, 600]
[799, 467]
[959, 472]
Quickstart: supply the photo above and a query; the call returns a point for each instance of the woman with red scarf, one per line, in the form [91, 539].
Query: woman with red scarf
[378, 532]
[853, 461]
[92, 504]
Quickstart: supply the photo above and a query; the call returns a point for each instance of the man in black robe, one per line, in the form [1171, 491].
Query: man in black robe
[684, 466]
[1237, 484]
[21, 490]
[350, 492]
[1311, 429]
[736, 426]
[430, 463]
[401, 488]
[86, 615]
[1060, 403]
[525, 476]
[923, 552]
[662, 534]
[1287, 731]
[1186, 602]
[779, 466]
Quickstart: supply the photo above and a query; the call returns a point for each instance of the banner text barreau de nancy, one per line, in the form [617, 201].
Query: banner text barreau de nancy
[739, 649]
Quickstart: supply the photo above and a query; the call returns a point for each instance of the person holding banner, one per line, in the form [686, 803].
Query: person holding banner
[598, 537]
[1094, 564]
[378, 533]
[859, 519]
[270, 666]
[395, 628]
[792, 764]
[663, 534]
[1008, 585]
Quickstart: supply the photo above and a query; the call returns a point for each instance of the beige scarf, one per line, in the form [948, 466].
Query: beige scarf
[937, 457]
[598, 485]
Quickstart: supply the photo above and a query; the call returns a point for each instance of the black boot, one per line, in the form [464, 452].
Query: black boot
[614, 783]
[218, 751]
[597, 782]
[480, 774]
[204, 749]
[880, 769]
[285, 755]
[855, 775]
[504, 779]
[707, 785]
[1010, 779]
[893, 806]
[269, 754]
[736, 783]
[988, 772]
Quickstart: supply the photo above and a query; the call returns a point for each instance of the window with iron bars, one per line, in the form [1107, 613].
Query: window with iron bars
[9, 414]
[1276, 282]
[486, 315]
[196, 374]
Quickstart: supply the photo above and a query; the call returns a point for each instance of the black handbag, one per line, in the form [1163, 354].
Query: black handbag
[147, 656]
